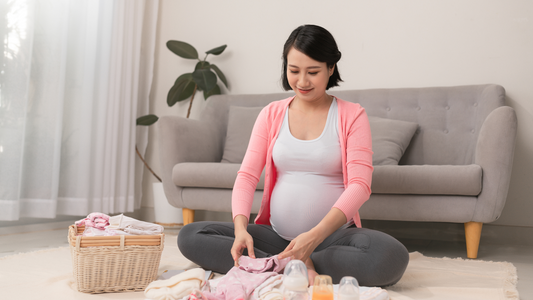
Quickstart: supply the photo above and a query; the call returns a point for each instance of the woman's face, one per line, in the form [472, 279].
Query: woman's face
[306, 76]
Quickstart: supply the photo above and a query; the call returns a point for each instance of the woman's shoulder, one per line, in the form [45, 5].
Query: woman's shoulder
[280, 103]
[352, 115]
[278, 106]
[349, 109]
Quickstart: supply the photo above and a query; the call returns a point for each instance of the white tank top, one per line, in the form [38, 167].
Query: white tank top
[309, 178]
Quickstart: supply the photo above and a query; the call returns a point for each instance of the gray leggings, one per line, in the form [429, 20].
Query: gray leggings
[373, 257]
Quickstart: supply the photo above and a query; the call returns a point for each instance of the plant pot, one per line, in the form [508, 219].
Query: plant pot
[166, 215]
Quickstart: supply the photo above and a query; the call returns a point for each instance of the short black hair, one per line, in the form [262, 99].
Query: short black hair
[317, 43]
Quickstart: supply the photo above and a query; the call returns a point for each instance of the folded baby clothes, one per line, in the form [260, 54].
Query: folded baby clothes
[270, 289]
[95, 219]
[133, 226]
[177, 286]
[240, 282]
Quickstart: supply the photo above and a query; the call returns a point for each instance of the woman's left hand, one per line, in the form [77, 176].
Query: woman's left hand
[304, 244]
[301, 247]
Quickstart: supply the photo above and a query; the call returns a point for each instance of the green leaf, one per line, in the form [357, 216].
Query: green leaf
[182, 89]
[147, 120]
[205, 79]
[217, 50]
[220, 74]
[182, 49]
[214, 91]
[202, 65]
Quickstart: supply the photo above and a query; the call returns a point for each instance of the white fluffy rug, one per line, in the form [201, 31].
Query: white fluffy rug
[457, 279]
[47, 274]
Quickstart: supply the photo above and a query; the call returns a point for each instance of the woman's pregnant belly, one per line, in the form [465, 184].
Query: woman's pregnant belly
[301, 200]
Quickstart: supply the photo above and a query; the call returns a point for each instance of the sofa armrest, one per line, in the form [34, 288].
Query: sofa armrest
[495, 153]
[185, 140]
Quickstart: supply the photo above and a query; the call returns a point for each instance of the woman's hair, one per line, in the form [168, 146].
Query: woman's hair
[317, 43]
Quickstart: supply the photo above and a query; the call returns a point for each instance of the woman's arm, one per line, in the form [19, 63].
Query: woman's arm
[251, 168]
[245, 186]
[358, 166]
[243, 240]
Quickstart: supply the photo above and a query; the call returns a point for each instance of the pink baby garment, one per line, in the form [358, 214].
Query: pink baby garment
[95, 219]
[240, 282]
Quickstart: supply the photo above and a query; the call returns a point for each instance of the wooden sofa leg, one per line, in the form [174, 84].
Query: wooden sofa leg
[188, 216]
[473, 235]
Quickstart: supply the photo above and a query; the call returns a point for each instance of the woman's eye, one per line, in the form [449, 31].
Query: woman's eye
[294, 72]
[313, 73]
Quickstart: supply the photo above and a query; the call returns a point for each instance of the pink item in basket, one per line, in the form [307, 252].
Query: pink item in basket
[96, 220]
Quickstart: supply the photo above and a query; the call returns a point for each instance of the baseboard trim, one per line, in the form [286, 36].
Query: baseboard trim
[35, 227]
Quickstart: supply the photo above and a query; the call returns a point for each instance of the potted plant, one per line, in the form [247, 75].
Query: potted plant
[203, 78]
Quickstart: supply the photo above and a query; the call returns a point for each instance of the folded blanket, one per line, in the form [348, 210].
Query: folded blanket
[177, 286]
[270, 289]
[133, 226]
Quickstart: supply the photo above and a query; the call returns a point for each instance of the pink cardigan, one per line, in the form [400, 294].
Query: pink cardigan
[355, 139]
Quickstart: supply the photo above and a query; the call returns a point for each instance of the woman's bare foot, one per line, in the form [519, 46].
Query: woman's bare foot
[311, 273]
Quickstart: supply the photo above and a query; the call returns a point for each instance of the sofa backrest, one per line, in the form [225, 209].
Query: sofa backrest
[449, 118]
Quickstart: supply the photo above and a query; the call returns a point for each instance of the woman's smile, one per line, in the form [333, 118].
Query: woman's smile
[304, 91]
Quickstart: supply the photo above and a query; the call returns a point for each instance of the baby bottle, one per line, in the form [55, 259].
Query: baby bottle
[348, 289]
[323, 288]
[295, 281]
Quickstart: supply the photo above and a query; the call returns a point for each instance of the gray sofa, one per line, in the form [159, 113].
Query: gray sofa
[451, 163]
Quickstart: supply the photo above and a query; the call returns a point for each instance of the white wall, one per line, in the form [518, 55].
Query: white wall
[385, 44]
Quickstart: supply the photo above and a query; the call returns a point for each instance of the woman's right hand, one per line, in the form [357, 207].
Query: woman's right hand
[243, 240]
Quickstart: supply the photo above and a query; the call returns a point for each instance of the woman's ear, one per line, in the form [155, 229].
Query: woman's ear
[331, 70]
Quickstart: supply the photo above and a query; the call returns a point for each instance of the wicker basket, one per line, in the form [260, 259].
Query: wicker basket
[107, 264]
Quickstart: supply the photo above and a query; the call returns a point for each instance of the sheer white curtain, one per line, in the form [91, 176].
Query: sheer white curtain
[74, 75]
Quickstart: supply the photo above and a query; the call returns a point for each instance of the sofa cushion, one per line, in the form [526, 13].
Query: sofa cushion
[388, 179]
[241, 121]
[465, 180]
[390, 138]
[208, 175]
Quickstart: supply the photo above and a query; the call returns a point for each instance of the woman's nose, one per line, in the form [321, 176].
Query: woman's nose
[302, 80]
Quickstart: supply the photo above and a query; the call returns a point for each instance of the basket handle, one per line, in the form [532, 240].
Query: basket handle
[161, 245]
[122, 238]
